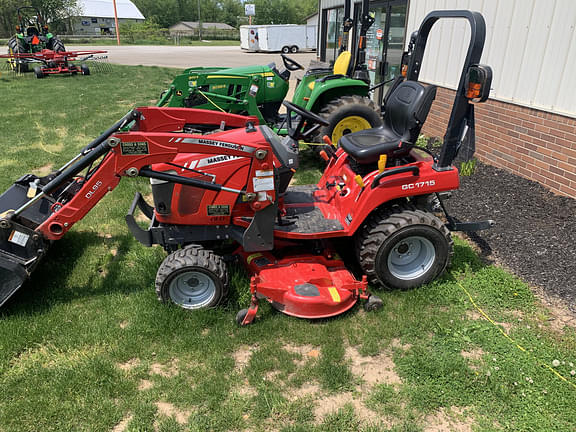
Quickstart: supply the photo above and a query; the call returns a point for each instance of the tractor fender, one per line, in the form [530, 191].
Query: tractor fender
[401, 188]
[326, 91]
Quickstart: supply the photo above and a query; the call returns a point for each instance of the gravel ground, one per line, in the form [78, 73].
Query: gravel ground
[535, 231]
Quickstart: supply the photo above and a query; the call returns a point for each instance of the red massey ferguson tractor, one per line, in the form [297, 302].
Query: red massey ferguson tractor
[231, 186]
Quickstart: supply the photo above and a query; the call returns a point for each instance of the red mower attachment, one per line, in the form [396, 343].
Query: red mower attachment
[303, 285]
[53, 63]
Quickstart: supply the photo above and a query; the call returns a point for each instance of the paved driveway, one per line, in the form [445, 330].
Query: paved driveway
[188, 56]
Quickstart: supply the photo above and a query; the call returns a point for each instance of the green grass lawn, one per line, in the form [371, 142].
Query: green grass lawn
[85, 345]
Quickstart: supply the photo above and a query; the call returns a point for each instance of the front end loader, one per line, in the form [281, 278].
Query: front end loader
[227, 192]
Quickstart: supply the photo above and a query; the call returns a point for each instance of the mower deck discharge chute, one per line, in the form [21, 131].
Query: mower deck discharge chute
[220, 184]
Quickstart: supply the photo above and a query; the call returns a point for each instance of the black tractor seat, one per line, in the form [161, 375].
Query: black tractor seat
[405, 113]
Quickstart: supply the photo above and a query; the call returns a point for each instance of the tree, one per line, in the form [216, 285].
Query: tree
[283, 11]
[53, 11]
[56, 10]
[230, 11]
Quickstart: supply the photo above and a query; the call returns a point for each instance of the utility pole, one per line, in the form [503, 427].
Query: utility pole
[199, 23]
[116, 23]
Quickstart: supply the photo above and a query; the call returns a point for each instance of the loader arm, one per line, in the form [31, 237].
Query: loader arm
[130, 154]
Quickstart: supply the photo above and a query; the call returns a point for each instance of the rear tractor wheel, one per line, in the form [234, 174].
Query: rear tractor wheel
[192, 278]
[349, 114]
[15, 47]
[403, 248]
[56, 45]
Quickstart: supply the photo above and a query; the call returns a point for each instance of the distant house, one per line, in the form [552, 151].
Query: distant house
[97, 16]
[190, 28]
[312, 19]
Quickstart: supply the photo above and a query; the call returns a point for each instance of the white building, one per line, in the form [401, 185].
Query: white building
[97, 16]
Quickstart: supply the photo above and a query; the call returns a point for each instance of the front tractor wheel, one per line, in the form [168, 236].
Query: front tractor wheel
[349, 114]
[192, 278]
[403, 248]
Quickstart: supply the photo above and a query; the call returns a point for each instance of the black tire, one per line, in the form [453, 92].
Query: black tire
[373, 303]
[56, 45]
[85, 69]
[388, 240]
[38, 72]
[17, 46]
[192, 267]
[293, 49]
[240, 316]
[286, 49]
[340, 115]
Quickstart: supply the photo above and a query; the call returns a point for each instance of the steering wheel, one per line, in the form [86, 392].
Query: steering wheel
[290, 64]
[306, 118]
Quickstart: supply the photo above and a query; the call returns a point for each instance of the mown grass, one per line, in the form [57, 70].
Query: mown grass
[85, 345]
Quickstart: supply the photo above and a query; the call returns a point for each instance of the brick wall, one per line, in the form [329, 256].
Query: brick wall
[534, 144]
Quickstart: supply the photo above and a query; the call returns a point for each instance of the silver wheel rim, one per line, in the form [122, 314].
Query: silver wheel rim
[411, 257]
[192, 289]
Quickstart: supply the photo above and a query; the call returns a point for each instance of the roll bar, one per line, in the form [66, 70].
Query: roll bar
[461, 121]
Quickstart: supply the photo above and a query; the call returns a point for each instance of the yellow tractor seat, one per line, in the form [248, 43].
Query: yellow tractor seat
[341, 66]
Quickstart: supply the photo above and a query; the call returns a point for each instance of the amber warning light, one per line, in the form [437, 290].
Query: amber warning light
[478, 82]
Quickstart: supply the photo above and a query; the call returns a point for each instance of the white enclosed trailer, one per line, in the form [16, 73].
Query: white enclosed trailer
[249, 38]
[287, 38]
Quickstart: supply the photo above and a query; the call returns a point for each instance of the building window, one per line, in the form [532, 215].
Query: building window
[94, 20]
[334, 18]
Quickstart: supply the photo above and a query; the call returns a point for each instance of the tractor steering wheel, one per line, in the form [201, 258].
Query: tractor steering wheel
[290, 64]
[307, 118]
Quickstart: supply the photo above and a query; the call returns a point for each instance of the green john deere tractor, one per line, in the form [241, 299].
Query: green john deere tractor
[339, 94]
[31, 36]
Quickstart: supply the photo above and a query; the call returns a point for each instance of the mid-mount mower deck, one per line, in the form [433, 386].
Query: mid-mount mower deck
[227, 192]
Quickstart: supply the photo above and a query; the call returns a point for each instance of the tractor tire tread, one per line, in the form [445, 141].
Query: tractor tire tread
[56, 45]
[15, 45]
[192, 256]
[332, 108]
[385, 222]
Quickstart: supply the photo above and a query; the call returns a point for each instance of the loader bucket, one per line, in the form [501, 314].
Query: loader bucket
[12, 276]
[21, 248]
